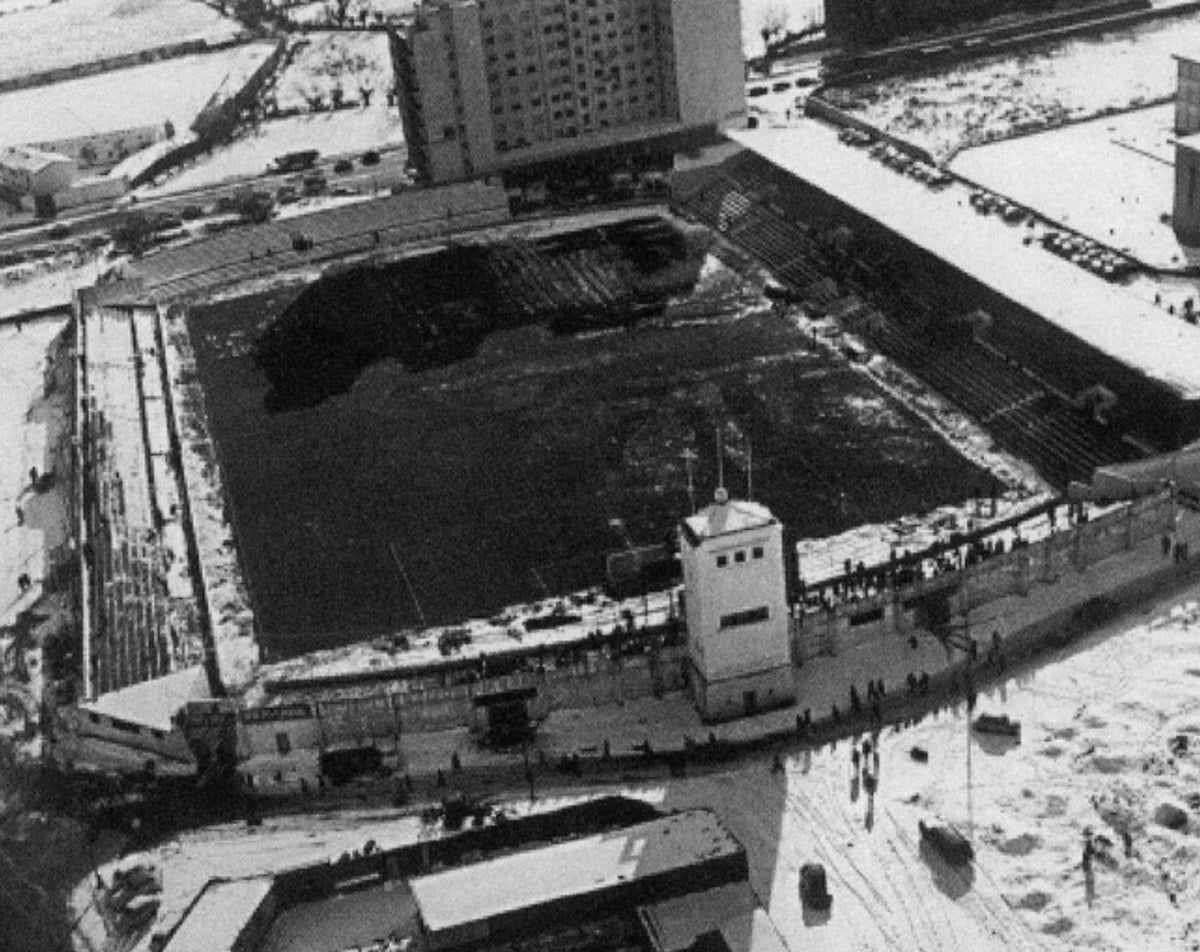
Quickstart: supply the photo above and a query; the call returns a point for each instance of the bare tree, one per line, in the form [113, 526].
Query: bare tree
[774, 22]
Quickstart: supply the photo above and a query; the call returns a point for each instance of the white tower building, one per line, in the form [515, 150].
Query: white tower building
[735, 603]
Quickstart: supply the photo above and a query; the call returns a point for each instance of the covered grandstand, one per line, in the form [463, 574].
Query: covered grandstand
[1028, 378]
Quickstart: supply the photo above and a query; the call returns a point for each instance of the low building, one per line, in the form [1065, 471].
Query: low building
[34, 173]
[103, 150]
[735, 603]
[523, 892]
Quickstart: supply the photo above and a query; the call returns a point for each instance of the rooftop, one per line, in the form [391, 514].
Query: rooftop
[1113, 319]
[722, 518]
[31, 160]
[587, 865]
[674, 924]
[216, 920]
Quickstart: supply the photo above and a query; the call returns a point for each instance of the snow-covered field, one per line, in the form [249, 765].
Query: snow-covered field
[175, 89]
[329, 61]
[350, 60]
[989, 99]
[72, 32]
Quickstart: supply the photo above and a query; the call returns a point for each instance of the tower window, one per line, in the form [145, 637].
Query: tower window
[739, 555]
[722, 561]
[757, 551]
[748, 617]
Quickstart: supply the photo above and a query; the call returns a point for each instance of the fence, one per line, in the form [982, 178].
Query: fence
[899, 610]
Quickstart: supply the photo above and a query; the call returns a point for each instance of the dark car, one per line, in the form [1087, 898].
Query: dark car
[59, 231]
[191, 212]
[813, 890]
[343, 165]
[370, 157]
[948, 842]
[998, 724]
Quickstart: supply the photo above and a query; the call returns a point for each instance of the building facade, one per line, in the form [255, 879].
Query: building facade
[1187, 95]
[735, 602]
[1185, 211]
[494, 84]
[32, 173]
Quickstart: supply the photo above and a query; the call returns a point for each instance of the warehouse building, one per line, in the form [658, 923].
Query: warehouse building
[524, 893]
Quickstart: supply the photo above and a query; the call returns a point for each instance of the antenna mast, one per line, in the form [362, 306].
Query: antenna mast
[720, 460]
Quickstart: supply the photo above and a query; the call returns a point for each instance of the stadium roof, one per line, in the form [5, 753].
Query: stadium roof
[483, 891]
[1113, 319]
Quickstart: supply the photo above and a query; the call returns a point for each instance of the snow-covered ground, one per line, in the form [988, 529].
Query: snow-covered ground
[323, 13]
[73, 32]
[345, 131]
[794, 15]
[1099, 753]
[37, 285]
[1112, 178]
[174, 90]
[988, 99]
[350, 60]
[324, 62]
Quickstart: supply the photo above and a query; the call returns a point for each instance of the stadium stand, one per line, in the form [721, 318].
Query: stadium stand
[905, 317]
[144, 616]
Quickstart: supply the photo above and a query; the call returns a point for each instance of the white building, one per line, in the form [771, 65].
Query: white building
[488, 85]
[735, 603]
[34, 173]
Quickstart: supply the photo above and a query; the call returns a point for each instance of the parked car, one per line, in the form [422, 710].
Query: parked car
[949, 843]
[191, 212]
[814, 892]
[342, 166]
[370, 157]
[59, 231]
[998, 724]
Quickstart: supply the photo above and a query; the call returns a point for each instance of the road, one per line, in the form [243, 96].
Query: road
[388, 172]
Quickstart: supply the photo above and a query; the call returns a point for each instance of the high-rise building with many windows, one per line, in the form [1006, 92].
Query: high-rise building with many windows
[493, 84]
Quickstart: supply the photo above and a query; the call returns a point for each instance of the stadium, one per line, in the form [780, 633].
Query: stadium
[428, 412]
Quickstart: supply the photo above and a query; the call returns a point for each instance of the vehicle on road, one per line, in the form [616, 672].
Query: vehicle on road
[814, 892]
[295, 161]
[998, 724]
[370, 157]
[59, 231]
[948, 842]
[342, 166]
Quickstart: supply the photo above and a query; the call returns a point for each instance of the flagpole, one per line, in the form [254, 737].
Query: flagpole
[720, 460]
[749, 471]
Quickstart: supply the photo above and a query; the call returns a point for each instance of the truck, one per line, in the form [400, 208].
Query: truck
[295, 161]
